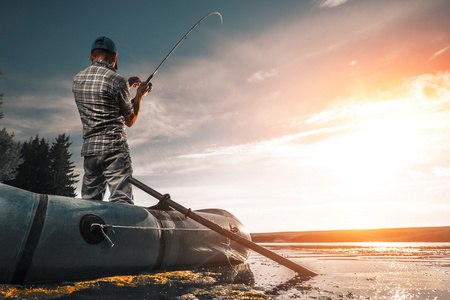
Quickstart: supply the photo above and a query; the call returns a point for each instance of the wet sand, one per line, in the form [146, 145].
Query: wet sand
[384, 271]
[346, 271]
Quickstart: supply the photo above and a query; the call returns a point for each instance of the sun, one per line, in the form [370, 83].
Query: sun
[381, 142]
[378, 150]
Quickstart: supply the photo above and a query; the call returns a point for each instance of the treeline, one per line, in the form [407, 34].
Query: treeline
[37, 166]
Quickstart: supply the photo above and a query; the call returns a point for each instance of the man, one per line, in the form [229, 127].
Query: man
[103, 100]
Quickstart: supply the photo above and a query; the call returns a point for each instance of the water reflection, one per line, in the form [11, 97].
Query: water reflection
[372, 249]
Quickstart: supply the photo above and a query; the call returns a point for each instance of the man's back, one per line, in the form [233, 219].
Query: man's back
[102, 97]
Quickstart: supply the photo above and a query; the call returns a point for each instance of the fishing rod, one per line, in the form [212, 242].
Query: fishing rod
[184, 37]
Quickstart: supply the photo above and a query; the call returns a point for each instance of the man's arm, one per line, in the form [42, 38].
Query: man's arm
[142, 90]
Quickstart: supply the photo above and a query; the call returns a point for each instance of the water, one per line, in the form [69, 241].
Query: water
[347, 271]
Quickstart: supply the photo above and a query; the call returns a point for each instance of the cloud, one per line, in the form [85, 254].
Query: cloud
[261, 76]
[330, 3]
[47, 111]
[386, 124]
[440, 52]
[440, 171]
[216, 98]
[206, 113]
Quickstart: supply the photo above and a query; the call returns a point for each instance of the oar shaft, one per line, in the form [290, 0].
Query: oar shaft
[302, 271]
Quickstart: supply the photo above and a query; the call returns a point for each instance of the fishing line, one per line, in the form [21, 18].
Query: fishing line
[179, 42]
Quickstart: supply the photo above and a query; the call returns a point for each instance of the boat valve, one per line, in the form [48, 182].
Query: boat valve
[92, 234]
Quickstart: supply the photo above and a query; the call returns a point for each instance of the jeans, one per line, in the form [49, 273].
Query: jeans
[113, 170]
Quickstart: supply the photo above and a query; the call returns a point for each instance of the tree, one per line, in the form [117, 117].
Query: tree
[45, 169]
[34, 173]
[1, 103]
[9, 151]
[10, 158]
[62, 168]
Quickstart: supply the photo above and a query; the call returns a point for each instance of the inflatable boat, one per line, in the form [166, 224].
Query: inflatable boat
[46, 238]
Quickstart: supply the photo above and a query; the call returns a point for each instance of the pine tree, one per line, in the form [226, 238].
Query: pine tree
[1, 103]
[62, 168]
[10, 158]
[34, 173]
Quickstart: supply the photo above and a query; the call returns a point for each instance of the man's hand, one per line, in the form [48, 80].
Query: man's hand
[134, 81]
[143, 89]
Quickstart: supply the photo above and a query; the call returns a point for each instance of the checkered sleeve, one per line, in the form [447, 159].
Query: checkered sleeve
[123, 97]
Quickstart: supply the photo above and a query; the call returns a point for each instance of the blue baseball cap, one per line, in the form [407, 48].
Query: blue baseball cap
[102, 42]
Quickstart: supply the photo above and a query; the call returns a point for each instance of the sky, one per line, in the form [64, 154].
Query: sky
[293, 115]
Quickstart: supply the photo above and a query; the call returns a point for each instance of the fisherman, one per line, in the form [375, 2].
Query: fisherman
[105, 106]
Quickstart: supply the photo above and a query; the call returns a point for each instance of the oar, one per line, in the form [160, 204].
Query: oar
[165, 200]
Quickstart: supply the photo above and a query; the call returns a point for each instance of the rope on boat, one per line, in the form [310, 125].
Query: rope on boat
[103, 226]
[104, 234]
[148, 228]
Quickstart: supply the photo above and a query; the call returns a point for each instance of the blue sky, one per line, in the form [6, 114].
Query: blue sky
[292, 115]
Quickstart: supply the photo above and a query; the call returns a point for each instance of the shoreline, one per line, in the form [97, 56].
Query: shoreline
[411, 234]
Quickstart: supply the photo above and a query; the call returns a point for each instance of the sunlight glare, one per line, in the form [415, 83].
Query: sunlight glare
[383, 142]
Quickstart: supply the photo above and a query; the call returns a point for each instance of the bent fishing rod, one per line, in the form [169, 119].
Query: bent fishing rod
[183, 38]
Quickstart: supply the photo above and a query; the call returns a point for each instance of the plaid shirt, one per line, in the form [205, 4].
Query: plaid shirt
[103, 100]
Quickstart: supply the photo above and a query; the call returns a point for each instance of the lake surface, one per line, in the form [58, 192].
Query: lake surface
[346, 271]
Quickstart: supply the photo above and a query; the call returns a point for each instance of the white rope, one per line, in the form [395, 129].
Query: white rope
[106, 236]
[103, 226]
[148, 228]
